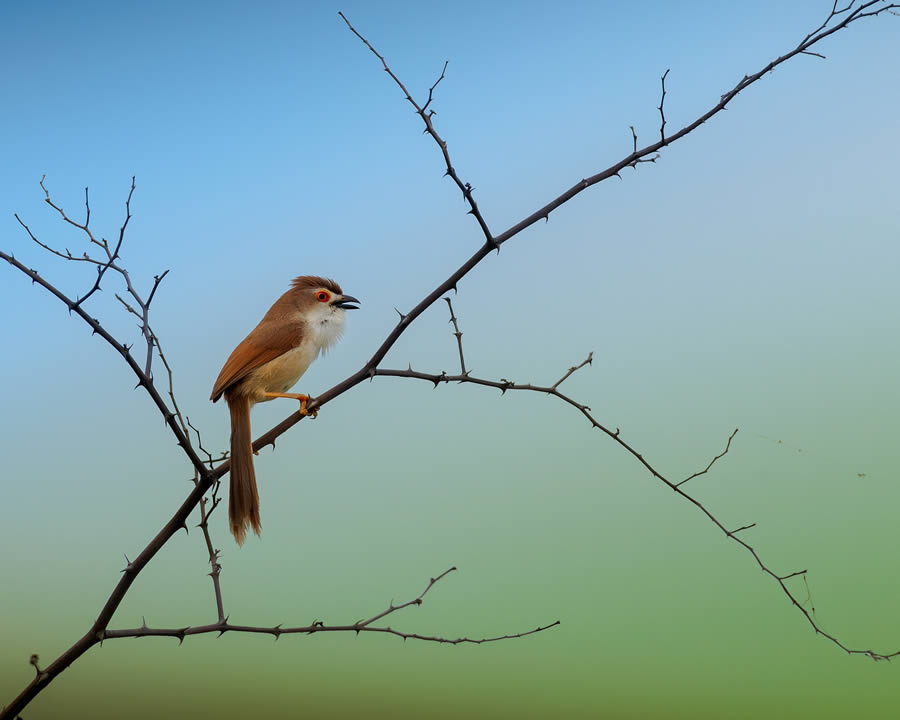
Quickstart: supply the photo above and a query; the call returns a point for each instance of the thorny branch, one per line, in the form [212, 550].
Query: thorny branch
[124, 350]
[215, 566]
[211, 459]
[421, 110]
[204, 478]
[458, 334]
[207, 504]
[110, 262]
[318, 626]
[662, 103]
[504, 386]
[207, 477]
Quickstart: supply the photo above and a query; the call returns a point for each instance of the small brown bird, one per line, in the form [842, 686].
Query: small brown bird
[306, 320]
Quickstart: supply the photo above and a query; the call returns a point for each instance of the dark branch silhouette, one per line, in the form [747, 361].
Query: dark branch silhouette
[504, 386]
[223, 626]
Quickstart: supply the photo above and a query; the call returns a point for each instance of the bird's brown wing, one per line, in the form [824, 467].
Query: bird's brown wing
[265, 342]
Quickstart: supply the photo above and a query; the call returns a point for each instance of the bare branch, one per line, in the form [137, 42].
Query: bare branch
[103, 265]
[795, 574]
[458, 334]
[743, 527]
[277, 631]
[834, 13]
[465, 188]
[210, 459]
[711, 462]
[817, 36]
[415, 601]
[505, 385]
[162, 357]
[431, 89]
[575, 368]
[223, 626]
[98, 329]
[215, 566]
[662, 113]
[83, 227]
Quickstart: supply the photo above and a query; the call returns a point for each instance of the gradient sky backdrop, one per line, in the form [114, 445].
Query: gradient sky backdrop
[748, 279]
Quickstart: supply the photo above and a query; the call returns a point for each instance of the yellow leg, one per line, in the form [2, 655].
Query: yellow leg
[304, 399]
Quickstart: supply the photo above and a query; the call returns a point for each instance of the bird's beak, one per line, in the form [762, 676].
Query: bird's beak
[344, 303]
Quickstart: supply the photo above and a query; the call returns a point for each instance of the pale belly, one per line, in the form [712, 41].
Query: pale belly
[280, 374]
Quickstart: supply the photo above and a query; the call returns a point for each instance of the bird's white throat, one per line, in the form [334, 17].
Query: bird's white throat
[326, 325]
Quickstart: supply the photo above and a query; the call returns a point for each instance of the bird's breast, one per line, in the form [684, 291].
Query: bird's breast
[282, 373]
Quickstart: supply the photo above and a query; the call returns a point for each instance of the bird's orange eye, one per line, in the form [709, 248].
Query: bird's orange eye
[323, 296]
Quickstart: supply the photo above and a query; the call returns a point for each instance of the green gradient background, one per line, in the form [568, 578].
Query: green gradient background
[748, 279]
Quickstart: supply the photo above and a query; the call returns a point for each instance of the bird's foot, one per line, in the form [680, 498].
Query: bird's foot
[304, 401]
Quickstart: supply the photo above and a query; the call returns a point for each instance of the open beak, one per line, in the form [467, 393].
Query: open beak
[345, 303]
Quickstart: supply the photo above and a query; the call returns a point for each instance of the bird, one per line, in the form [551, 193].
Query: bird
[305, 321]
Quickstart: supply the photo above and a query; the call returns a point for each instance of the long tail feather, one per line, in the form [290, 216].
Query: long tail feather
[243, 498]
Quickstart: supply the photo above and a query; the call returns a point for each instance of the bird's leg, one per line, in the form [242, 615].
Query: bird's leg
[304, 399]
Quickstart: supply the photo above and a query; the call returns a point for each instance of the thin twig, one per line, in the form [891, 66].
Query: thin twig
[587, 361]
[214, 564]
[711, 462]
[662, 103]
[162, 357]
[458, 334]
[431, 89]
[743, 527]
[211, 460]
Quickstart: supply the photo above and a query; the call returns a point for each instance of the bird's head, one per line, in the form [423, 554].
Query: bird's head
[324, 306]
